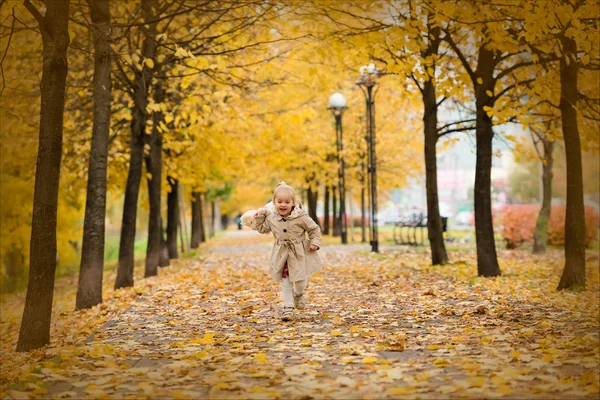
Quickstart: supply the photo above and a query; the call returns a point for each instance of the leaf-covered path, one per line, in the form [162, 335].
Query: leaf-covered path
[376, 327]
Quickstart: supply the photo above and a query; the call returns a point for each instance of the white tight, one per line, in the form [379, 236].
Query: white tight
[288, 289]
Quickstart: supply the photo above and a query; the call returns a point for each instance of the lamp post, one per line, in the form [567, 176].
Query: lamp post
[337, 105]
[368, 75]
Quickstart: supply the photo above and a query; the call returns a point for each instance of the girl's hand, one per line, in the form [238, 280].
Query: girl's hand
[261, 211]
[313, 247]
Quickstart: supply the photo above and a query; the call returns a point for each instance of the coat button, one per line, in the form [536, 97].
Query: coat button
[285, 230]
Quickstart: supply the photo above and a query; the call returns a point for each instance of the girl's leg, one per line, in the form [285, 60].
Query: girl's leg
[287, 290]
[299, 295]
[299, 287]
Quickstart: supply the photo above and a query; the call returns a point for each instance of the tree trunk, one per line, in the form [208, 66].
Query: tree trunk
[336, 220]
[430, 120]
[224, 221]
[434, 222]
[128, 228]
[163, 256]
[487, 261]
[179, 222]
[196, 220]
[540, 237]
[311, 196]
[326, 221]
[211, 221]
[184, 230]
[35, 325]
[89, 288]
[574, 272]
[202, 198]
[216, 218]
[142, 81]
[154, 168]
[172, 217]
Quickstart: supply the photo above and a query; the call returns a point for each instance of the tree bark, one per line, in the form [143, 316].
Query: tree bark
[128, 228]
[154, 168]
[35, 325]
[487, 260]
[142, 81]
[216, 220]
[203, 213]
[172, 217]
[163, 256]
[430, 120]
[89, 288]
[540, 237]
[196, 220]
[183, 221]
[326, 221]
[311, 196]
[434, 221]
[574, 272]
[211, 221]
[202, 198]
[336, 220]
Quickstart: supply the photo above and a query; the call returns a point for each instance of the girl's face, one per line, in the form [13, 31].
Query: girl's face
[284, 201]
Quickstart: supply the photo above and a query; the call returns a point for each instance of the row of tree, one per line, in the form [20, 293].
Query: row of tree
[531, 63]
[143, 59]
[229, 97]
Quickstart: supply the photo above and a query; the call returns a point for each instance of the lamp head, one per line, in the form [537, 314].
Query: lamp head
[337, 101]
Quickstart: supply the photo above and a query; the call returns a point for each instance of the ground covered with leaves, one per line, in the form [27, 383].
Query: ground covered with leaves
[377, 326]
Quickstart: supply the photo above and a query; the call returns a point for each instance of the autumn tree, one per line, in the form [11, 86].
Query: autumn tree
[494, 65]
[544, 146]
[578, 25]
[89, 289]
[53, 25]
[563, 36]
[406, 37]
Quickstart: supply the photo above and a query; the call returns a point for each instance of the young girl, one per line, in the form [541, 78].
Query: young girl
[294, 257]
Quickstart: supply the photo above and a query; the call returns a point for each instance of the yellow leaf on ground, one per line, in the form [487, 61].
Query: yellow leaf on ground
[476, 381]
[505, 390]
[440, 362]
[261, 358]
[548, 358]
[207, 339]
[97, 394]
[399, 391]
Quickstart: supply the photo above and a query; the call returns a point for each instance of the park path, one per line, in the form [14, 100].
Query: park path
[376, 327]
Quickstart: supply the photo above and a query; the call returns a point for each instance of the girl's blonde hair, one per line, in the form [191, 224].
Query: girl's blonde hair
[281, 186]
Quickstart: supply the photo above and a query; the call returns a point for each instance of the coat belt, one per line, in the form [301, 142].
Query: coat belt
[290, 241]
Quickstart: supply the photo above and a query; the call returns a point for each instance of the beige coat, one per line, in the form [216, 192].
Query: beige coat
[291, 244]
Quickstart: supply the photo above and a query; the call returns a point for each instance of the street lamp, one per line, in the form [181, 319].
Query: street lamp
[337, 105]
[368, 75]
